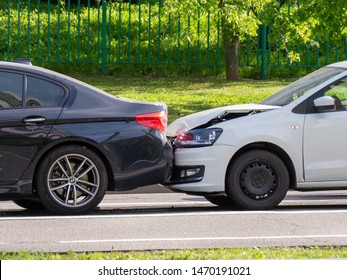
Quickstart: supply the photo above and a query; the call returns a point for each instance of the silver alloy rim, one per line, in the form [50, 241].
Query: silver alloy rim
[73, 180]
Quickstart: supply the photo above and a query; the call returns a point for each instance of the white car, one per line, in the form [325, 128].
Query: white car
[249, 155]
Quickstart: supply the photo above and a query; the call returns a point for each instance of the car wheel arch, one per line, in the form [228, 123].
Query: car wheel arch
[88, 145]
[270, 147]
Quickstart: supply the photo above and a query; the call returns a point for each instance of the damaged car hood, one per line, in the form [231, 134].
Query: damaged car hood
[219, 114]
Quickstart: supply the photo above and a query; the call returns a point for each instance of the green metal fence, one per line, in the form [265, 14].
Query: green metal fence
[102, 35]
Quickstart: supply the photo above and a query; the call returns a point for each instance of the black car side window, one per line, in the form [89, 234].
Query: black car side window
[42, 93]
[11, 90]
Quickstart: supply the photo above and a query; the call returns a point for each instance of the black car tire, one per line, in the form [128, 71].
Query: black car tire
[30, 204]
[220, 200]
[71, 180]
[257, 180]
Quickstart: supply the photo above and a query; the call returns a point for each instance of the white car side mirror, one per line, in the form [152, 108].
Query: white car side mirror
[324, 104]
[324, 101]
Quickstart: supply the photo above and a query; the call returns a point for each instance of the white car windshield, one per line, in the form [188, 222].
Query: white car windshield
[301, 86]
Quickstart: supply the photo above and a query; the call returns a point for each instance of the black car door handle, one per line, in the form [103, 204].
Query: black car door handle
[34, 120]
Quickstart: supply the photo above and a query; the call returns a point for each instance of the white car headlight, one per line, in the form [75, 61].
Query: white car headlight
[198, 137]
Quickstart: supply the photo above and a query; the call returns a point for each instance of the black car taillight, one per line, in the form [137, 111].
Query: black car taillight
[156, 120]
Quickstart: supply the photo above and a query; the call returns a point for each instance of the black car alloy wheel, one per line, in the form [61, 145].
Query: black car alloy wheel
[71, 180]
[257, 180]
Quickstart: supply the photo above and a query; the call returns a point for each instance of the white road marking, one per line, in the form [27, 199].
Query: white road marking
[204, 239]
[147, 204]
[180, 214]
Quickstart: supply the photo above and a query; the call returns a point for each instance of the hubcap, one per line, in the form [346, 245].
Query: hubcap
[258, 180]
[73, 180]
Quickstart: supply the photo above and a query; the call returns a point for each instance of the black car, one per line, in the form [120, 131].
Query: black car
[63, 143]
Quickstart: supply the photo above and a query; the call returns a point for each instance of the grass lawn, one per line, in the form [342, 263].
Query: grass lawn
[197, 254]
[186, 95]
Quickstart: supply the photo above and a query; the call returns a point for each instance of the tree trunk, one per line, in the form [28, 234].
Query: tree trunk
[231, 47]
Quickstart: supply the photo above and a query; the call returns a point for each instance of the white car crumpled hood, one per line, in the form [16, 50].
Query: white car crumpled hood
[194, 120]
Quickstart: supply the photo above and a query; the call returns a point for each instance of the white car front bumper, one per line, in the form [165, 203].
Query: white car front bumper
[201, 170]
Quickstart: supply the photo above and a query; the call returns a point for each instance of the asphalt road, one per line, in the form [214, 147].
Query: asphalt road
[165, 220]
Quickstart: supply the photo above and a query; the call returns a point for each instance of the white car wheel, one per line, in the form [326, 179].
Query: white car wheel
[257, 180]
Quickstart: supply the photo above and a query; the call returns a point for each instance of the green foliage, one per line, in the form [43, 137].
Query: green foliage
[147, 34]
[172, 36]
[315, 26]
[327, 18]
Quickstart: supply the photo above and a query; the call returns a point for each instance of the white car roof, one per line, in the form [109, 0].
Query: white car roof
[342, 64]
